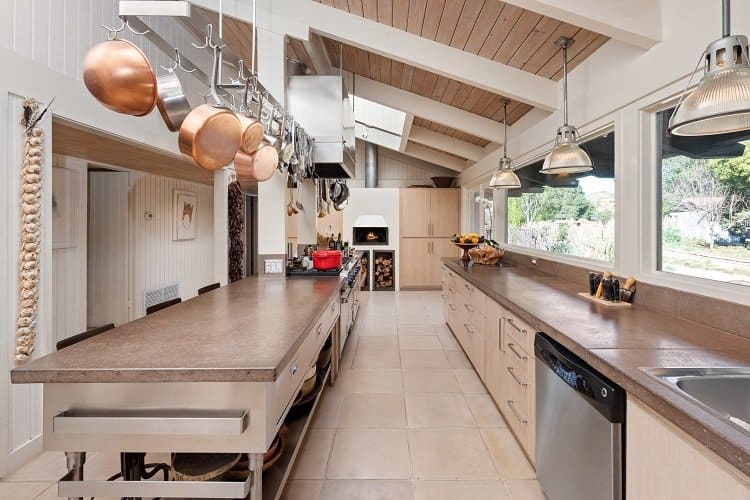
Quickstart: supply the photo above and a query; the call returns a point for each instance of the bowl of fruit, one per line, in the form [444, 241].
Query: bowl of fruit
[466, 242]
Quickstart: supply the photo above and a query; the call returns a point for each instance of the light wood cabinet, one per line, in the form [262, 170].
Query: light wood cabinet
[415, 213]
[664, 462]
[445, 207]
[415, 263]
[439, 249]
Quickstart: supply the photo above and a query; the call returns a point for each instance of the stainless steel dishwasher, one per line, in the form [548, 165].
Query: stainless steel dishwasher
[580, 427]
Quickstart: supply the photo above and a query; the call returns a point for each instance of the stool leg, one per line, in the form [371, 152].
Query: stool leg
[132, 467]
[255, 460]
[75, 461]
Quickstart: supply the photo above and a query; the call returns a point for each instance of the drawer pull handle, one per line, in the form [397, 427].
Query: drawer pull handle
[453, 308]
[333, 307]
[515, 377]
[469, 288]
[511, 323]
[469, 308]
[512, 347]
[468, 328]
[443, 296]
[320, 329]
[295, 368]
[515, 412]
[451, 290]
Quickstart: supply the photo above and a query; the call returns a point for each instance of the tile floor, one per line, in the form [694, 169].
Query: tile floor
[407, 420]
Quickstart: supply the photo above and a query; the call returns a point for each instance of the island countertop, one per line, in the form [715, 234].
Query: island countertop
[244, 332]
[618, 342]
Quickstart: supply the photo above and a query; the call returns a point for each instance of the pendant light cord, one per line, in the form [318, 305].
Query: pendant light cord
[505, 128]
[565, 83]
[726, 23]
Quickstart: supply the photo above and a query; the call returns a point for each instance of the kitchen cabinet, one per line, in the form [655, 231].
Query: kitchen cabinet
[662, 462]
[431, 215]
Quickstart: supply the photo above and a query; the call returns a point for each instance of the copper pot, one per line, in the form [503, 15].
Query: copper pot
[252, 134]
[211, 136]
[119, 75]
[259, 166]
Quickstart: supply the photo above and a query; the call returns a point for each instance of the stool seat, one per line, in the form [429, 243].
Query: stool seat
[202, 466]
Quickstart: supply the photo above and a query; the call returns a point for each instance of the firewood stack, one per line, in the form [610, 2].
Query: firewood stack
[383, 271]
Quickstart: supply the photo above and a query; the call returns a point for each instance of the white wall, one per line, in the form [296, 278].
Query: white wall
[396, 169]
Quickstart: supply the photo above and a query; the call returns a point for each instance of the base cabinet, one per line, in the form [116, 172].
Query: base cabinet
[662, 462]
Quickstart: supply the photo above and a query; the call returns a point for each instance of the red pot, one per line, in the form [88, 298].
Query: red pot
[327, 259]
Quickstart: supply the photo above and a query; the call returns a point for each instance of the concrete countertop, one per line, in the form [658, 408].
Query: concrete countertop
[244, 332]
[618, 342]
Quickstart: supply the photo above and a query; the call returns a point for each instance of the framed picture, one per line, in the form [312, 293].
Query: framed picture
[185, 213]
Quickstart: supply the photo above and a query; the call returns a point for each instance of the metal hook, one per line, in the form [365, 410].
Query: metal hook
[209, 39]
[123, 24]
[241, 71]
[177, 64]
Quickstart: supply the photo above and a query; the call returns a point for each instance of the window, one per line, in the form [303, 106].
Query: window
[482, 211]
[704, 200]
[567, 214]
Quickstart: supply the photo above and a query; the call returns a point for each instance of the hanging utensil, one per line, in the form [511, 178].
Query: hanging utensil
[298, 203]
[252, 129]
[171, 99]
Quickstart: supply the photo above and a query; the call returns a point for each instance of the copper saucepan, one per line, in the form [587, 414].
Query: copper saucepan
[211, 133]
[252, 129]
[119, 75]
[259, 166]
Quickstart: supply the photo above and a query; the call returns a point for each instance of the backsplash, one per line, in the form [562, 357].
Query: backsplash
[715, 313]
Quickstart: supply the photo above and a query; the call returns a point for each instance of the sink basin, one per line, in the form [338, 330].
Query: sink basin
[723, 391]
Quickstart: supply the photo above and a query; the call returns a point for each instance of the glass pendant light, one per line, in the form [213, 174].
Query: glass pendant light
[566, 156]
[721, 102]
[504, 177]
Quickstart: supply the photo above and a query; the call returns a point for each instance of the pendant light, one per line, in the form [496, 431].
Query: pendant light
[721, 102]
[504, 177]
[566, 156]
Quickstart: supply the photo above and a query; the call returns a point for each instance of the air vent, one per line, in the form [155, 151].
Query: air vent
[159, 295]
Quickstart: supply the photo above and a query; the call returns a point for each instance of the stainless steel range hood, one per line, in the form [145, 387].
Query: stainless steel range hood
[318, 104]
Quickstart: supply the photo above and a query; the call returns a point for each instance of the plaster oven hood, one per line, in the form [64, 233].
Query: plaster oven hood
[370, 221]
[318, 104]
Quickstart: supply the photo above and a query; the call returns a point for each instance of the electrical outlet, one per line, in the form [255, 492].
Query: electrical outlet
[533, 261]
[274, 266]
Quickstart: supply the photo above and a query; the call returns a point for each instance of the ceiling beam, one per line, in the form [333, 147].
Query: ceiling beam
[430, 56]
[635, 22]
[446, 143]
[427, 108]
[436, 157]
[406, 131]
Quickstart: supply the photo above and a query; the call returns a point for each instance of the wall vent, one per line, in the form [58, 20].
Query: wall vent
[159, 295]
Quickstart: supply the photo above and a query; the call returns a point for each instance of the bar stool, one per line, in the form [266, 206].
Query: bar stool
[162, 305]
[79, 337]
[208, 288]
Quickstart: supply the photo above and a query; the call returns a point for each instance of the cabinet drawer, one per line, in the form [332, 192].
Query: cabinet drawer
[520, 332]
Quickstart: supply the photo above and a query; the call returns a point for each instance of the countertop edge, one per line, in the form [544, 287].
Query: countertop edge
[714, 437]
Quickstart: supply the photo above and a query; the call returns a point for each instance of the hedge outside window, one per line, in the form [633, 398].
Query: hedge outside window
[567, 214]
[705, 205]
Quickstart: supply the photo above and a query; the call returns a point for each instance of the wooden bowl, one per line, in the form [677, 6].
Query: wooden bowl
[443, 181]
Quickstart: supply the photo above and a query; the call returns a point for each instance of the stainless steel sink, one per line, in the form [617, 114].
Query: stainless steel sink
[723, 391]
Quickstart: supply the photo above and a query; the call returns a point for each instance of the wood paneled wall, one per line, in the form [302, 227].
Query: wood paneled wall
[397, 170]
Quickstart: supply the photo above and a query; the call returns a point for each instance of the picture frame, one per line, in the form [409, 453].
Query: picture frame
[185, 213]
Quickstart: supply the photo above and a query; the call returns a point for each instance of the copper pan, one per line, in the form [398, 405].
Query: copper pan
[259, 166]
[252, 134]
[211, 133]
[119, 75]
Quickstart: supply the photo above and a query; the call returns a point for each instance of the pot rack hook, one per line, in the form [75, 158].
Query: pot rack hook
[209, 39]
[241, 71]
[112, 32]
[177, 64]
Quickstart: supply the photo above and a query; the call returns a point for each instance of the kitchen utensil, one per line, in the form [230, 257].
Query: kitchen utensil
[335, 191]
[252, 129]
[211, 133]
[259, 166]
[343, 200]
[327, 259]
[119, 75]
[171, 100]
[311, 378]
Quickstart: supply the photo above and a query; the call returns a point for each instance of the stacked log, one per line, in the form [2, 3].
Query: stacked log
[383, 270]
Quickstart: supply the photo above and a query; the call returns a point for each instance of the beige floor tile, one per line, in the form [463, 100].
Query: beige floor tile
[448, 341]
[375, 358]
[416, 329]
[313, 457]
[484, 410]
[459, 490]
[373, 411]
[424, 359]
[302, 489]
[347, 357]
[367, 490]
[22, 490]
[329, 409]
[372, 381]
[458, 360]
[470, 382]
[49, 466]
[377, 343]
[507, 454]
[521, 489]
[370, 454]
[434, 410]
[450, 454]
[419, 342]
[430, 380]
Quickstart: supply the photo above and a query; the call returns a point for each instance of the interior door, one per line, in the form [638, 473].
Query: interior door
[108, 276]
[415, 262]
[445, 212]
[415, 212]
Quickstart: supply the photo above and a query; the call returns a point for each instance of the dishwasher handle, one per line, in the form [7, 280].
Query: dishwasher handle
[600, 392]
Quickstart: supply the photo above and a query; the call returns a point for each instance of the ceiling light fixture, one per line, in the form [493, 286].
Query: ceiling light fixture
[504, 177]
[566, 156]
[721, 102]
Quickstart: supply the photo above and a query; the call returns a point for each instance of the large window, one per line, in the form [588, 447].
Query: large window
[705, 190]
[482, 211]
[567, 214]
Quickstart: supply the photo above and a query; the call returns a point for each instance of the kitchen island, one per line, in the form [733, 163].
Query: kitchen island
[217, 373]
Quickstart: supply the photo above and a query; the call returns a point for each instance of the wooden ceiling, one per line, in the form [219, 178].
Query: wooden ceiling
[450, 132]
[425, 83]
[488, 28]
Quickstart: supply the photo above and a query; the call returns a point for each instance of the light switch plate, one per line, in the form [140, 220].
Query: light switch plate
[273, 266]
